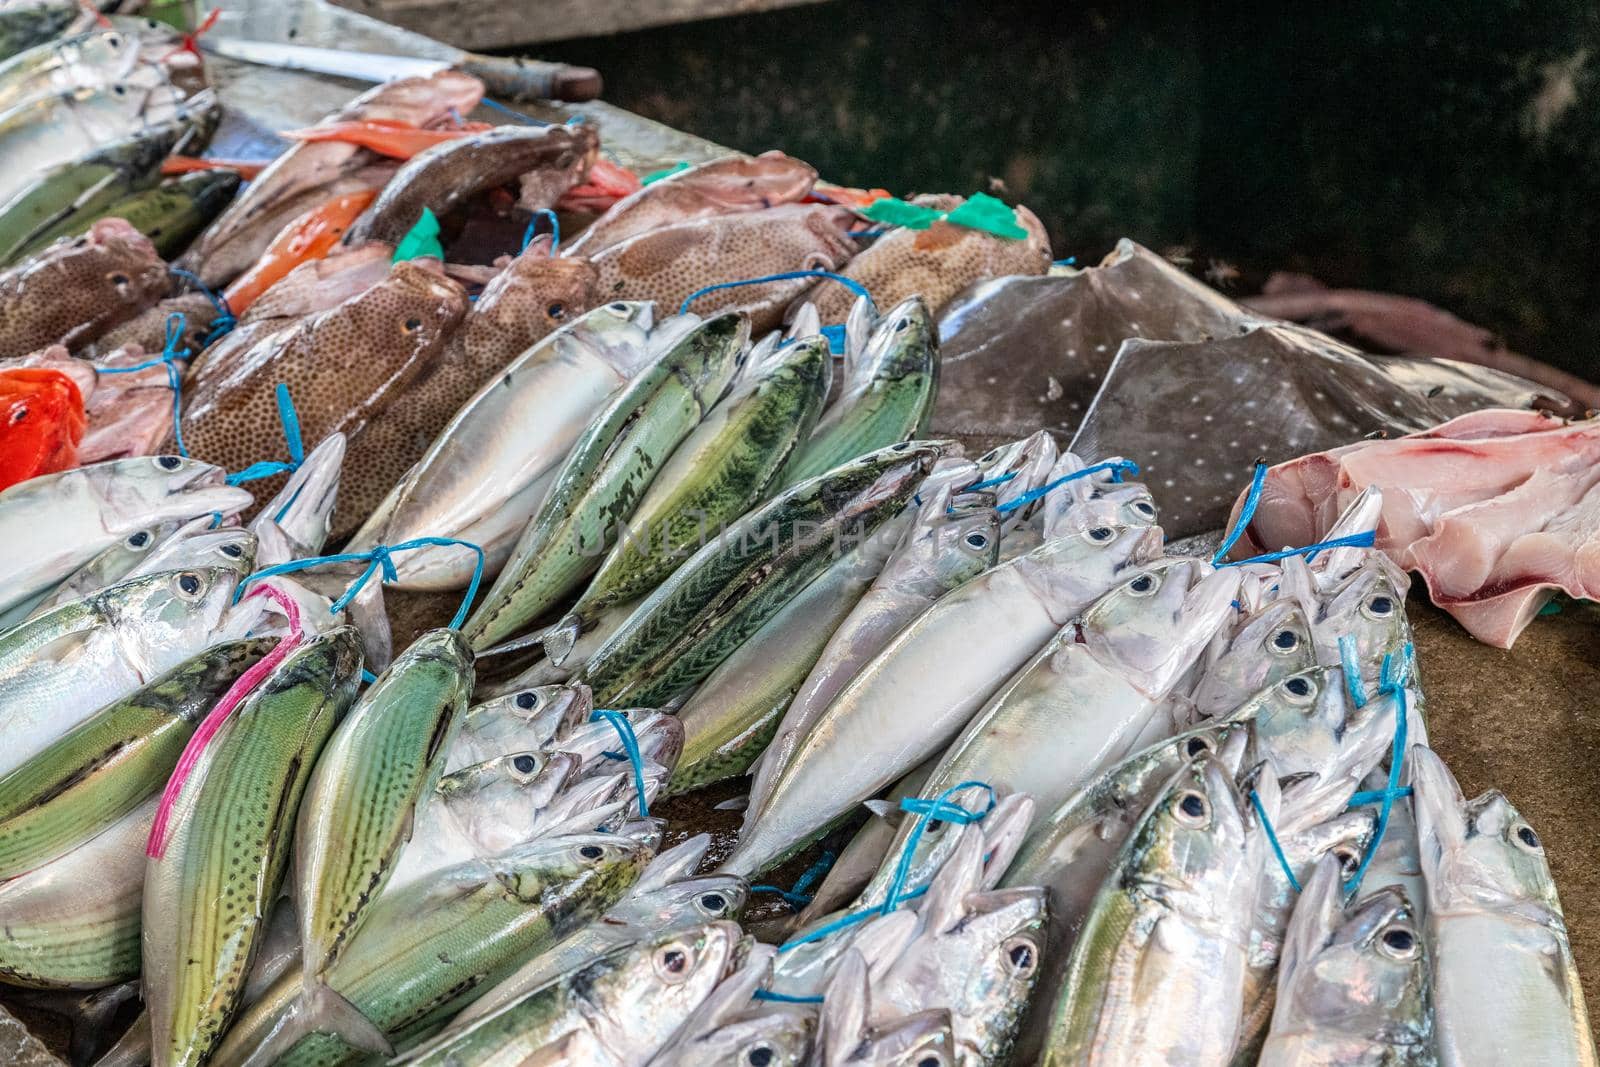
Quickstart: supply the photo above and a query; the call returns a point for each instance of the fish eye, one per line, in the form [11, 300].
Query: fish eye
[557, 310]
[1285, 641]
[1144, 585]
[759, 1056]
[139, 539]
[18, 415]
[715, 903]
[524, 763]
[1196, 746]
[527, 701]
[620, 308]
[931, 1060]
[591, 852]
[1348, 860]
[1022, 956]
[1298, 690]
[1399, 943]
[1379, 607]
[413, 324]
[233, 551]
[977, 540]
[168, 463]
[1191, 809]
[934, 827]
[902, 324]
[1100, 535]
[671, 962]
[118, 279]
[1529, 839]
[1145, 508]
[189, 585]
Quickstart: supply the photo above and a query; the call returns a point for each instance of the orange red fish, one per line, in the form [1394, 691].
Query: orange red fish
[41, 423]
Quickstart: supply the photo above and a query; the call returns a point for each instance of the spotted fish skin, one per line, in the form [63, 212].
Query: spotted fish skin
[605, 476]
[207, 898]
[723, 186]
[357, 816]
[76, 290]
[549, 160]
[343, 367]
[668, 264]
[936, 263]
[726, 591]
[311, 173]
[530, 299]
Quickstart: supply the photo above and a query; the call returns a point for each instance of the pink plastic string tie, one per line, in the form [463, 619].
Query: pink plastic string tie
[156, 846]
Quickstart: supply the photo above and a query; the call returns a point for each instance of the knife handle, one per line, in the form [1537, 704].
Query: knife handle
[531, 79]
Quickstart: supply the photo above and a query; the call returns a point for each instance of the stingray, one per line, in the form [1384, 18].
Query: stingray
[1197, 415]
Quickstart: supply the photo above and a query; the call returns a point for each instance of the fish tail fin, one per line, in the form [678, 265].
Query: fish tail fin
[559, 639]
[320, 1009]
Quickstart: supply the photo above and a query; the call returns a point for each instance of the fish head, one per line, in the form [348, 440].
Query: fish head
[303, 508]
[805, 366]
[1478, 855]
[146, 489]
[709, 354]
[903, 343]
[923, 1039]
[502, 799]
[1364, 969]
[411, 311]
[136, 546]
[1070, 572]
[229, 547]
[709, 898]
[173, 608]
[994, 959]
[1189, 848]
[672, 974]
[538, 714]
[1128, 503]
[678, 862]
[537, 295]
[780, 1037]
[1225, 740]
[557, 869]
[1370, 606]
[113, 260]
[1272, 644]
[1152, 626]
[1344, 837]
[1299, 721]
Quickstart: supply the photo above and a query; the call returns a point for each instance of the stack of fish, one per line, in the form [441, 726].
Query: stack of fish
[1093, 799]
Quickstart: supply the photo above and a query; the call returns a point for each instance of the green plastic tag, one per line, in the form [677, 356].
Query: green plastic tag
[421, 240]
[657, 175]
[980, 212]
[984, 212]
[901, 213]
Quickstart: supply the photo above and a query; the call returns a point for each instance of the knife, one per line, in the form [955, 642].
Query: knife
[510, 79]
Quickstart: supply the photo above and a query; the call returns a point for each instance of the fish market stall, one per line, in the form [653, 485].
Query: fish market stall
[510, 582]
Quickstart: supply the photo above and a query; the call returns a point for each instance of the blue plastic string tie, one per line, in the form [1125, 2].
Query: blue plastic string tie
[290, 420]
[836, 338]
[1117, 467]
[1350, 664]
[789, 896]
[940, 808]
[169, 356]
[377, 558]
[526, 120]
[630, 745]
[871, 231]
[783, 998]
[1373, 796]
[1392, 679]
[990, 483]
[849, 283]
[1069, 261]
[814, 873]
[225, 320]
[533, 229]
[1364, 539]
[1272, 839]
[577, 120]
[1246, 513]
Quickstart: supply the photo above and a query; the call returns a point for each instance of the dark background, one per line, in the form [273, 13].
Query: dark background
[1441, 150]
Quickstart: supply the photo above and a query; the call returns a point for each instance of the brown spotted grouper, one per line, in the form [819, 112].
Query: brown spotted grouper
[723, 186]
[668, 264]
[78, 288]
[533, 296]
[344, 368]
[936, 263]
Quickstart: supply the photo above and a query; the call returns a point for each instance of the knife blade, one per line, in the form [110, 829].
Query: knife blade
[510, 79]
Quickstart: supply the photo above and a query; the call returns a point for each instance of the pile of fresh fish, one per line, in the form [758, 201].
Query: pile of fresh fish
[1082, 796]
